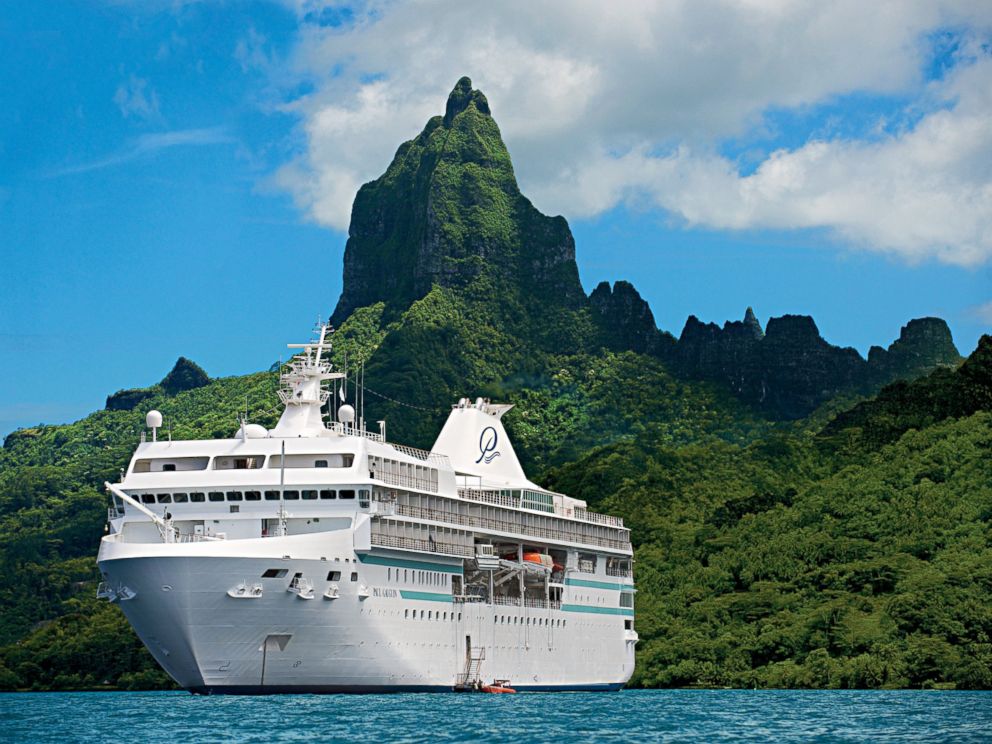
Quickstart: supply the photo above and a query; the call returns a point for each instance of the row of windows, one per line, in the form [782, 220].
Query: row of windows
[215, 496]
[430, 578]
[513, 620]
[431, 615]
[497, 619]
[247, 462]
[280, 573]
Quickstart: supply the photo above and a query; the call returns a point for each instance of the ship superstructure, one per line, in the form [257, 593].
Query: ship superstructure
[317, 556]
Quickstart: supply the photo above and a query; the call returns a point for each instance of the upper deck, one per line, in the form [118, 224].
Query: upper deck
[276, 482]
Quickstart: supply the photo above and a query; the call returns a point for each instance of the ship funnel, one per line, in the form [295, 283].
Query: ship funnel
[474, 440]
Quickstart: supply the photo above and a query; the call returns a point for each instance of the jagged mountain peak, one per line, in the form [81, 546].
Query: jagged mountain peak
[461, 97]
[448, 212]
[751, 322]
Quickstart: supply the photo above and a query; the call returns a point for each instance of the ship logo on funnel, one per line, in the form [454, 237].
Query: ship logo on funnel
[487, 445]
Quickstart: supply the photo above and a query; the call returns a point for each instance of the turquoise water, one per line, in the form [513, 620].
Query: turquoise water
[637, 715]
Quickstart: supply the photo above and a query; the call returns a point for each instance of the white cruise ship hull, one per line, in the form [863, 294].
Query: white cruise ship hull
[377, 635]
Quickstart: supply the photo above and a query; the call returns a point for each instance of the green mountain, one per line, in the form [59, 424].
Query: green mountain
[783, 537]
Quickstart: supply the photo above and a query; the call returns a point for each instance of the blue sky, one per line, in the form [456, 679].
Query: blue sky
[175, 178]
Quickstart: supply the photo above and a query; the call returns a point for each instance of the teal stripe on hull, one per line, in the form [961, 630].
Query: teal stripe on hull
[381, 560]
[426, 596]
[597, 610]
[600, 585]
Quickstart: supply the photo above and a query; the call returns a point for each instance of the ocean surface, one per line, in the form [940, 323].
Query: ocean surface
[637, 715]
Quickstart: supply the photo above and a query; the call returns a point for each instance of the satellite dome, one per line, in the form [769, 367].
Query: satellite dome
[153, 419]
[346, 414]
[255, 431]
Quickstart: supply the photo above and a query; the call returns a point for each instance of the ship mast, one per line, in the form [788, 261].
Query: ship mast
[302, 390]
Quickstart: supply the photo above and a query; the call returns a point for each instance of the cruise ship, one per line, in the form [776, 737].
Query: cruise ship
[318, 556]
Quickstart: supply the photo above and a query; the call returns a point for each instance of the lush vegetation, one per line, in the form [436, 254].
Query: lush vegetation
[794, 562]
[766, 555]
[847, 549]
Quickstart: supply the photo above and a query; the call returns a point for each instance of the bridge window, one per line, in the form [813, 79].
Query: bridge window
[291, 495]
[235, 496]
[346, 494]
[247, 462]
[328, 493]
[215, 495]
[147, 498]
[253, 495]
[180, 498]
[164, 498]
[170, 464]
[309, 495]
[196, 497]
[271, 495]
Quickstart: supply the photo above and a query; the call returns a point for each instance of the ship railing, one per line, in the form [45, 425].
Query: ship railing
[426, 546]
[354, 431]
[420, 454]
[507, 601]
[596, 518]
[489, 497]
[531, 602]
[193, 537]
[502, 498]
[565, 533]
[622, 573]
[408, 481]
[467, 598]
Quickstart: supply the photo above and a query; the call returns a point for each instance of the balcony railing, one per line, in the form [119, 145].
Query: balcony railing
[425, 546]
[406, 481]
[563, 534]
[501, 498]
[623, 573]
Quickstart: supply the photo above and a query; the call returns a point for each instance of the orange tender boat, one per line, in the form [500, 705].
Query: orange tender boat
[499, 686]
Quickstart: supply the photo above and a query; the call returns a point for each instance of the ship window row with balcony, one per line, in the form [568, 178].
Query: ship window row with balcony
[489, 516]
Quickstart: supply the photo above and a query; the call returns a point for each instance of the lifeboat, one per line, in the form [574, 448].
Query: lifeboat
[539, 558]
[498, 686]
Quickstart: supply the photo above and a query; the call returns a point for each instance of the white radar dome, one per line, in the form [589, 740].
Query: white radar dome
[346, 414]
[256, 431]
[153, 419]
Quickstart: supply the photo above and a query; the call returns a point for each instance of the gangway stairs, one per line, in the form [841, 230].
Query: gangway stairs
[471, 678]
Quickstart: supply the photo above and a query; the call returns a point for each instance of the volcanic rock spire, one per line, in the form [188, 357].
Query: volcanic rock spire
[448, 211]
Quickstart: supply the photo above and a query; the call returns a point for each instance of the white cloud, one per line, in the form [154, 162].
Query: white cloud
[135, 99]
[149, 144]
[604, 103]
